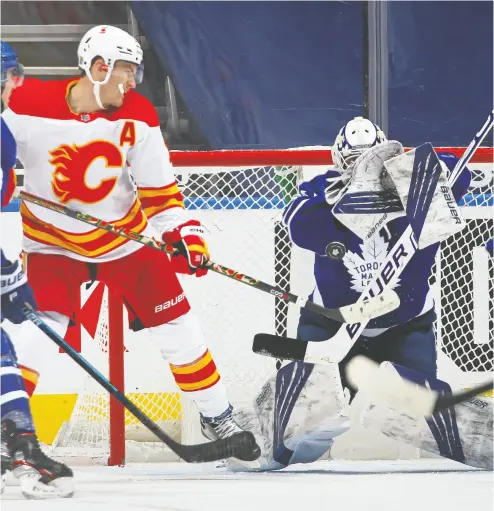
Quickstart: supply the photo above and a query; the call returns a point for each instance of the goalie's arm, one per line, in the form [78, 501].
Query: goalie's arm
[310, 221]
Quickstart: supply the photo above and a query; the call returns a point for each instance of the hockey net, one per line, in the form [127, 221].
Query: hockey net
[239, 196]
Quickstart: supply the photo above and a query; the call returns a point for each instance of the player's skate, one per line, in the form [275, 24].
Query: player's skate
[40, 477]
[225, 426]
[5, 460]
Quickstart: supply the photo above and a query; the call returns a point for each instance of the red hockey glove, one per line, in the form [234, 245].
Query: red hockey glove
[193, 252]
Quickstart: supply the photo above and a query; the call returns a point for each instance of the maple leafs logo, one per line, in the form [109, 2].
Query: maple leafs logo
[362, 267]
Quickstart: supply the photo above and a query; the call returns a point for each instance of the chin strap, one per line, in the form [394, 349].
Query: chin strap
[96, 89]
[97, 97]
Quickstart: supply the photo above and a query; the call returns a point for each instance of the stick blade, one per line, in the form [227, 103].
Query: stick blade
[284, 348]
[240, 445]
[447, 401]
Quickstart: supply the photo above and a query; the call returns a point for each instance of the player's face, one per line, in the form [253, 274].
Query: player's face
[122, 80]
[13, 81]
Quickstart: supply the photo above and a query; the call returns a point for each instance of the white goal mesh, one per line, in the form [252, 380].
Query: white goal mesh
[239, 196]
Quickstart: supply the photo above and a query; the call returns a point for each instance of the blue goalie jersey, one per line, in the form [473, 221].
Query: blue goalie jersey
[312, 226]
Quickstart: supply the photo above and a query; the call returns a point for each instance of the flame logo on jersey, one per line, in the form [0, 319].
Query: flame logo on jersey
[71, 163]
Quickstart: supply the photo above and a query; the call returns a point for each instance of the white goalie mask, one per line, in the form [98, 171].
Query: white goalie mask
[111, 44]
[355, 137]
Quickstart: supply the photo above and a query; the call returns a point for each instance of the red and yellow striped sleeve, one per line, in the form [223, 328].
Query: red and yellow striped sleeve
[30, 377]
[198, 375]
[157, 200]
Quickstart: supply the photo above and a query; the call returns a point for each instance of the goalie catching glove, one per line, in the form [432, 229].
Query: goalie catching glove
[366, 205]
[192, 250]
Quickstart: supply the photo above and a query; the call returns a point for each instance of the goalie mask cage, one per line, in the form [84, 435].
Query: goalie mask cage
[239, 196]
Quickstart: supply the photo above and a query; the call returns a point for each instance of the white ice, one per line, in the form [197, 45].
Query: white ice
[419, 485]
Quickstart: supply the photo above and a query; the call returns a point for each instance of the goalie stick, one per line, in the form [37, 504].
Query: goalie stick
[361, 311]
[239, 445]
[389, 387]
[336, 348]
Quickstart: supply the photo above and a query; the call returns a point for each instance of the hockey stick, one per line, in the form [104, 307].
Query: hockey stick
[336, 348]
[239, 445]
[386, 385]
[288, 348]
[364, 310]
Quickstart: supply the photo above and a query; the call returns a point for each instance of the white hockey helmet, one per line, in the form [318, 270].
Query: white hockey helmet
[355, 137]
[111, 44]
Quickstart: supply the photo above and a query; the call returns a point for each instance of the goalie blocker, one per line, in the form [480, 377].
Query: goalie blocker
[407, 406]
[388, 183]
[421, 181]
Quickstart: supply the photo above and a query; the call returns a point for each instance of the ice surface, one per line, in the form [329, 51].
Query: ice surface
[419, 485]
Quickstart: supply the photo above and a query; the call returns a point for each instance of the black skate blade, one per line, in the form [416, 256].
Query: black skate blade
[240, 445]
[275, 346]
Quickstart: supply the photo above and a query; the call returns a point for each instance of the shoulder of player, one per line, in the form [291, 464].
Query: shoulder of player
[318, 184]
[40, 98]
[333, 174]
[449, 159]
[138, 108]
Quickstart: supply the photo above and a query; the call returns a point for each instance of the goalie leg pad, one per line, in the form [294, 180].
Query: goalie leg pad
[462, 433]
[300, 412]
[442, 425]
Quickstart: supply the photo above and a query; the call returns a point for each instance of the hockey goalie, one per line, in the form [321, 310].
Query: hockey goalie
[348, 217]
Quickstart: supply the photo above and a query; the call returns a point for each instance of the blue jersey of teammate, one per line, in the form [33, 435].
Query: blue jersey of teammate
[12, 75]
[8, 152]
[312, 226]
[15, 292]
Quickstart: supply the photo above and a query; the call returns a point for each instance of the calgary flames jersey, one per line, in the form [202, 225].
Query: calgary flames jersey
[112, 164]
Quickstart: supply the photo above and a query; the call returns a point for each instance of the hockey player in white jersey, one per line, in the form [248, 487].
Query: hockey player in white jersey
[350, 217]
[40, 477]
[95, 144]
